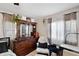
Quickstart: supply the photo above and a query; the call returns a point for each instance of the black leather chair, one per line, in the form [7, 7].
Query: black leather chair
[53, 48]
[42, 46]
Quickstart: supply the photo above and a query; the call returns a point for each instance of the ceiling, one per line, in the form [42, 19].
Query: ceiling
[36, 9]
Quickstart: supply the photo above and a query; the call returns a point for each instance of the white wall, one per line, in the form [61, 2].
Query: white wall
[42, 27]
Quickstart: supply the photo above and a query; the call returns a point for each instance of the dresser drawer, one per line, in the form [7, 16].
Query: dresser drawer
[24, 47]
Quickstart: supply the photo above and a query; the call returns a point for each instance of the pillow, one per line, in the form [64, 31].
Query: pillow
[3, 47]
[42, 45]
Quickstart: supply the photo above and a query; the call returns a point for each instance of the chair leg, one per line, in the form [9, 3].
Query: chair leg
[59, 53]
[49, 53]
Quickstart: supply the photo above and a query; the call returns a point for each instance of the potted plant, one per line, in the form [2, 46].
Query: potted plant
[16, 18]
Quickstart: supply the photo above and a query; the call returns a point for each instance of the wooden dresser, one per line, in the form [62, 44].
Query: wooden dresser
[24, 46]
[25, 42]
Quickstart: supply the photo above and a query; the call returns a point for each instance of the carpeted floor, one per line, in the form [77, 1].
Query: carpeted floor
[65, 53]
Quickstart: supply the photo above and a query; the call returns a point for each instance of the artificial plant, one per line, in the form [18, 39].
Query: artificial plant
[16, 18]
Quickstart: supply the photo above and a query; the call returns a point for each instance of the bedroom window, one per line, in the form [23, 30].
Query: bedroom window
[57, 33]
[9, 28]
[71, 34]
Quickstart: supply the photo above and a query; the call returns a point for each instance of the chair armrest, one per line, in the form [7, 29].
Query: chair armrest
[37, 44]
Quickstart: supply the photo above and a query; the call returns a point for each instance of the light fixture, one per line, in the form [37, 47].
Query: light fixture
[17, 4]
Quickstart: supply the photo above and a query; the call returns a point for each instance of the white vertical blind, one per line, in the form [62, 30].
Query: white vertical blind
[60, 31]
[1, 25]
[48, 32]
[57, 32]
[8, 26]
[71, 28]
[54, 29]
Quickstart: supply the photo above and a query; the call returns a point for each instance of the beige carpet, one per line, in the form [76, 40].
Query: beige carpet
[65, 53]
[33, 53]
[69, 53]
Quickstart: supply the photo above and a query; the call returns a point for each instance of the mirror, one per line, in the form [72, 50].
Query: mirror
[25, 30]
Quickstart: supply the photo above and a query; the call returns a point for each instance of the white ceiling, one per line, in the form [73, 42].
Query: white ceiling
[36, 9]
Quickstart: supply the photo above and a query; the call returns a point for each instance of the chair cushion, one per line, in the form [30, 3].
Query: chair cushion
[41, 50]
[42, 45]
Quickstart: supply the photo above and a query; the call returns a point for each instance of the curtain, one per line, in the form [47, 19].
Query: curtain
[71, 29]
[57, 32]
[1, 25]
[8, 26]
[49, 30]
